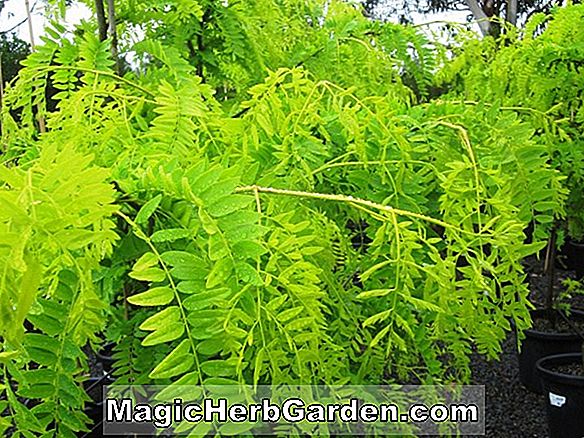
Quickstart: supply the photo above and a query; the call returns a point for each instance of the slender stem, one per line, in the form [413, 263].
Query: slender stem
[353, 201]
[475, 103]
[331, 165]
[550, 271]
[549, 268]
[30, 29]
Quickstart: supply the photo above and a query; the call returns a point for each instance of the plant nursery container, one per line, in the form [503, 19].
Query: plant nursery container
[564, 395]
[538, 344]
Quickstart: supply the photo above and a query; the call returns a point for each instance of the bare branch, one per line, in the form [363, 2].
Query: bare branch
[29, 18]
[480, 16]
[511, 13]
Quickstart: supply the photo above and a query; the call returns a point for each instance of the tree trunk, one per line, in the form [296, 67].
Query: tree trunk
[101, 22]
[480, 16]
[29, 18]
[111, 18]
[40, 118]
[511, 15]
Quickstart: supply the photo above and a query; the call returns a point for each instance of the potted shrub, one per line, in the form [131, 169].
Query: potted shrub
[562, 381]
[553, 331]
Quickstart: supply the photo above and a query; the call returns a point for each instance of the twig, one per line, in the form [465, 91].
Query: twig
[24, 20]
[16, 26]
[354, 201]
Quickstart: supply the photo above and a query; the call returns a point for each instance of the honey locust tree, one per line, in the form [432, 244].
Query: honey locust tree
[195, 210]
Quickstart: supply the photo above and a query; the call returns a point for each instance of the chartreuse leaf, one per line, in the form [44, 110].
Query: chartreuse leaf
[373, 293]
[182, 259]
[206, 299]
[220, 273]
[157, 296]
[422, 304]
[217, 368]
[182, 388]
[148, 209]
[170, 235]
[376, 318]
[151, 274]
[27, 293]
[167, 316]
[179, 361]
[164, 334]
[165, 325]
[289, 314]
[146, 269]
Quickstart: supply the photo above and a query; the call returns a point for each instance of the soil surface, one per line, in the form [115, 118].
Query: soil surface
[573, 325]
[573, 369]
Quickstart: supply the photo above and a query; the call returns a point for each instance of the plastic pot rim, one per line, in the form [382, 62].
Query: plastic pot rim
[557, 377]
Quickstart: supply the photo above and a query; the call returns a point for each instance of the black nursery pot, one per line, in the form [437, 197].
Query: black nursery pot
[539, 344]
[564, 396]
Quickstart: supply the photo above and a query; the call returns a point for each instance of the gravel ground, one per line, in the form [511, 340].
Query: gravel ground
[511, 410]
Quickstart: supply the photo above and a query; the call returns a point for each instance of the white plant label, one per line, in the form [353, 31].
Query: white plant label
[557, 400]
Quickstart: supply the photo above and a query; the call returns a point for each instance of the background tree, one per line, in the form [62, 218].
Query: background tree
[12, 51]
[481, 10]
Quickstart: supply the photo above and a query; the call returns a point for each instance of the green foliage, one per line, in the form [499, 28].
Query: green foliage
[539, 73]
[195, 211]
[55, 227]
